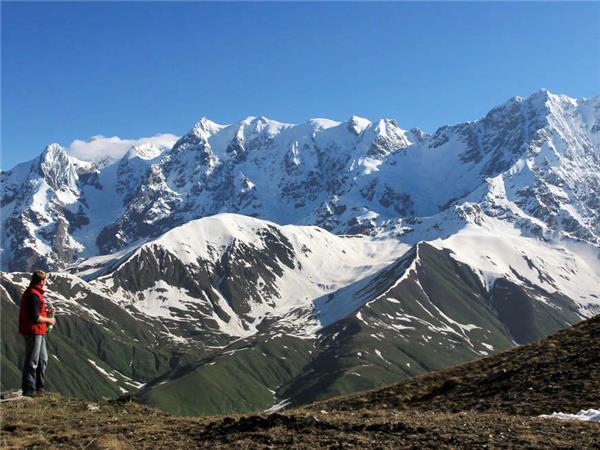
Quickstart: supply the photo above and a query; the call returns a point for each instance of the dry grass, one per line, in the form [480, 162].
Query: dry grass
[109, 442]
[68, 423]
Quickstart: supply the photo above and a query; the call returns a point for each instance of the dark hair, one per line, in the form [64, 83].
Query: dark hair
[37, 276]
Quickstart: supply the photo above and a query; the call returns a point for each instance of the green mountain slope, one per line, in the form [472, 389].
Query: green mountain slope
[97, 350]
[425, 312]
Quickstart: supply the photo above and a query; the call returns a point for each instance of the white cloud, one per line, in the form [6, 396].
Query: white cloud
[100, 147]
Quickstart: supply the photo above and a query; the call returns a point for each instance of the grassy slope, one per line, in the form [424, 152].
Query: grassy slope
[244, 381]
[122, 344]
[440, 284]
[413, 350]
[343, 360]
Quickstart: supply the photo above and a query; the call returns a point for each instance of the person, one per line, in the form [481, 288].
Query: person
[33, 323]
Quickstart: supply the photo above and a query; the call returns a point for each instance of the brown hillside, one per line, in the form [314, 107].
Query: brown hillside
[561, 372]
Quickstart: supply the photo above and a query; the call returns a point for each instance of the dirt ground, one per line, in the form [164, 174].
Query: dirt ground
[56, 422]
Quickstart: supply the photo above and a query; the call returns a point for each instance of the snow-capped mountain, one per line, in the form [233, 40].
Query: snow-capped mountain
[333, 256]
[531, 161]
[54, 207]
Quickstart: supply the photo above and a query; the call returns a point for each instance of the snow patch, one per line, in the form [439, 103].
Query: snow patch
[102, 371]
[278, 407]
[587, 415]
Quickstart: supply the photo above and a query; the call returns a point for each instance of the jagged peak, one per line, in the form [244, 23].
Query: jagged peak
[389, 130]
[59, 168]
[358, 124]
[54, 156]
[144, 151]
[536, 104]
[52, 151]
[541, 101]
[542, 97]
[384, 125]
[319, 123]
[205, 128]
[545, 94]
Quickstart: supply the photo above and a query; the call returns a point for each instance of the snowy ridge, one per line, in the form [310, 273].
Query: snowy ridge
[305, 279]
[307, 262]
[498, 250]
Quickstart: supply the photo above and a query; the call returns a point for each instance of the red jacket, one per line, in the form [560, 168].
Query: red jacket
[26, 324]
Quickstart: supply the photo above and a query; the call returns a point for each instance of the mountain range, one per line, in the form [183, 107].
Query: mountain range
[260, 265]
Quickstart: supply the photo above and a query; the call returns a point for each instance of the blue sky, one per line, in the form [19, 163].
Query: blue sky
[74, 70]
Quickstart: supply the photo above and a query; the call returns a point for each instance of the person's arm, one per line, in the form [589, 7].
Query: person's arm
[48, 320]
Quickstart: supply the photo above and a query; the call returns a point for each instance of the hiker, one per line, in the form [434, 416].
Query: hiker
[33, 322]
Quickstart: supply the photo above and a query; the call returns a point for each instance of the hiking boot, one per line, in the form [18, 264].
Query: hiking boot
[28, 394]
[40, 392]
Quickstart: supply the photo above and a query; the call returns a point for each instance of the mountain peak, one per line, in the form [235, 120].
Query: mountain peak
[58, 168]
[145, 151]
[546, 99]
[252, 126]
[541, 96]
[53, 151]
[538, 100]
[205, 128]
[54, 158]
[358, 124]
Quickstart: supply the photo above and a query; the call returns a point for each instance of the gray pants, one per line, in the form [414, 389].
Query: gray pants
[36, 361]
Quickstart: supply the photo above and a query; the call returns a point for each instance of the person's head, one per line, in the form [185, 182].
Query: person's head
[38, 278]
